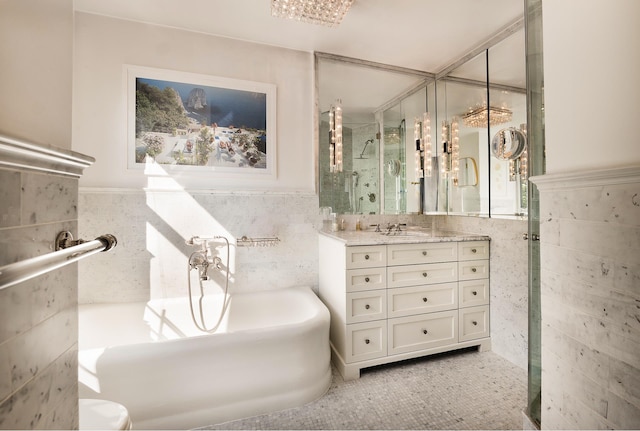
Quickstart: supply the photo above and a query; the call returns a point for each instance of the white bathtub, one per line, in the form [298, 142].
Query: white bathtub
[271, 353]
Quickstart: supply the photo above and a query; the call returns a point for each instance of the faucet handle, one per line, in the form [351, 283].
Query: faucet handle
[377, 226]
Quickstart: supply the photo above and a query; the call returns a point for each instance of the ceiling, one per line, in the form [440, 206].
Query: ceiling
[426, 35]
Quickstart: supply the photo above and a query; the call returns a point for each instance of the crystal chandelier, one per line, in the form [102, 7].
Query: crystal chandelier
[480, 116]
[324, 12]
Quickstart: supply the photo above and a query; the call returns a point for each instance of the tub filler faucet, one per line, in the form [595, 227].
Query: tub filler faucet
[201, 260]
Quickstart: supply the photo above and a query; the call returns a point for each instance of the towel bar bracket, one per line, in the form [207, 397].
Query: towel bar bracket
[64, 239]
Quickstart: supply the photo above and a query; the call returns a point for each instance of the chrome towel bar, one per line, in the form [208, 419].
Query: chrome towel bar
[67, 251]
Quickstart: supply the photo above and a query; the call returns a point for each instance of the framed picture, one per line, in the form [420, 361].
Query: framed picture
[194, 123]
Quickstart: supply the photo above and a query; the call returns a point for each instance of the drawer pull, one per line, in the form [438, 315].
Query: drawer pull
[424, 331]
[366, 257]
[424, 299]
[366, 341]
[424, 274]
[367, 306]
[473, 270]
[474, 323]
[424, 252]
[366, 279]
[474, 293]
[473, 250]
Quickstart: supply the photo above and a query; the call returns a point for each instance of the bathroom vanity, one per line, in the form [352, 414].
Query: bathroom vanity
[395, 297]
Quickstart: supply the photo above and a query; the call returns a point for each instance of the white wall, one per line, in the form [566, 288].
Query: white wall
[589, 224]
[104, 45]
[592, 90]
[152, 225]
[36, 40]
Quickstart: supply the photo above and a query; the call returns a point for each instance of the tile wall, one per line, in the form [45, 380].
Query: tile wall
[590, 292]
[38, 317]
[151, 258]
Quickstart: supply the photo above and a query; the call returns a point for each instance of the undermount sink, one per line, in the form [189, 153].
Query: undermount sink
[406, 233]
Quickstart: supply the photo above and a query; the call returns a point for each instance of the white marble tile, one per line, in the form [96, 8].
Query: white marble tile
[49, 339]
[47, 198]
[151, 257]
[10, 196]
[590, 277]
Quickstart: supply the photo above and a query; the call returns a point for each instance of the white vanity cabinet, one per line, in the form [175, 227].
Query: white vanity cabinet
[396, 301]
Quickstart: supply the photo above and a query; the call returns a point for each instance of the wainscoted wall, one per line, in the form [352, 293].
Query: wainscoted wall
[151, 258]
[509, 281]
[38, 323]
[38, 317]
[590, 287]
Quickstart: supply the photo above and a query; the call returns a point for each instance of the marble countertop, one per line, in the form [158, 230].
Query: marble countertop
[407, 236]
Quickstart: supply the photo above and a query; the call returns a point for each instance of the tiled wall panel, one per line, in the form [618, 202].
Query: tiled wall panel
[151, 258]
[38, 317]
[590, 282]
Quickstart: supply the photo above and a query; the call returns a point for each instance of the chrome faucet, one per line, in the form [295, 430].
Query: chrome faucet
[201, 260]
[395, 228]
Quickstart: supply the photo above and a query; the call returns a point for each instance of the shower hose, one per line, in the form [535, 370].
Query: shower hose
[201, 325]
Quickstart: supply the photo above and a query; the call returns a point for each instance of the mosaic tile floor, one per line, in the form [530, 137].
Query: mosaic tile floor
[457, 390]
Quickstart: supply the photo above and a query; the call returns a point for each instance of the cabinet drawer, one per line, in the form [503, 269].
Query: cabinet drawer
[406, 301]
[366, 306]
[368, 256]
[407, 334]
[473, 292]
[366, 341]
[474, 323]
[410, 254]
[473, 269]
[473, 250]
[414, 275]
[366, 279]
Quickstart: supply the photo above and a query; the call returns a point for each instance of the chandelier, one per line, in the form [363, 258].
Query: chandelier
[324, 12]
[480, 116]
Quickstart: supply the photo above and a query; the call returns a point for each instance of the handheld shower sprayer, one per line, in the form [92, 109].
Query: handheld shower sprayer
[201, 261]
[368, 141]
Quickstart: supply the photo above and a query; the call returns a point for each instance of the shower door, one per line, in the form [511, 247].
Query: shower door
[536, 143]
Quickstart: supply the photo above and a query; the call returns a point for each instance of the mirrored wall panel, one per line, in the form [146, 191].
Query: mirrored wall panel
[364, 108]
[398, 141]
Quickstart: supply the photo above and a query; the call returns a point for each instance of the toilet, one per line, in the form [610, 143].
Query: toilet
[103, 415]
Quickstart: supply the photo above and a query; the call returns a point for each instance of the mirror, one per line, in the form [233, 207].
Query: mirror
[382, 105]
[483, 116]
[374, 134]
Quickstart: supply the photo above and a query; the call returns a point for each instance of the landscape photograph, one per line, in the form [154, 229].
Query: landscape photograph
[179, 123]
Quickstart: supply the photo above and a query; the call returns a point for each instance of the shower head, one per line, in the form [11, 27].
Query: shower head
[367, 142]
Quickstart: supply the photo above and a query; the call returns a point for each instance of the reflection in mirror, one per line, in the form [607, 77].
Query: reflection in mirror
[464, 136]
[475, 100]
[508, 178]
[468, 176]
[374, 132]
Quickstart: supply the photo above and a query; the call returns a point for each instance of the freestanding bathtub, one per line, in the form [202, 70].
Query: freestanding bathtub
[271, 352]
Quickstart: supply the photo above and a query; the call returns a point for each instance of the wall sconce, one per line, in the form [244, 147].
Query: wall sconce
[417, 136]
[455, 151]
[519, 166]
[445, 167]
[426, 143]
[335, 137]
